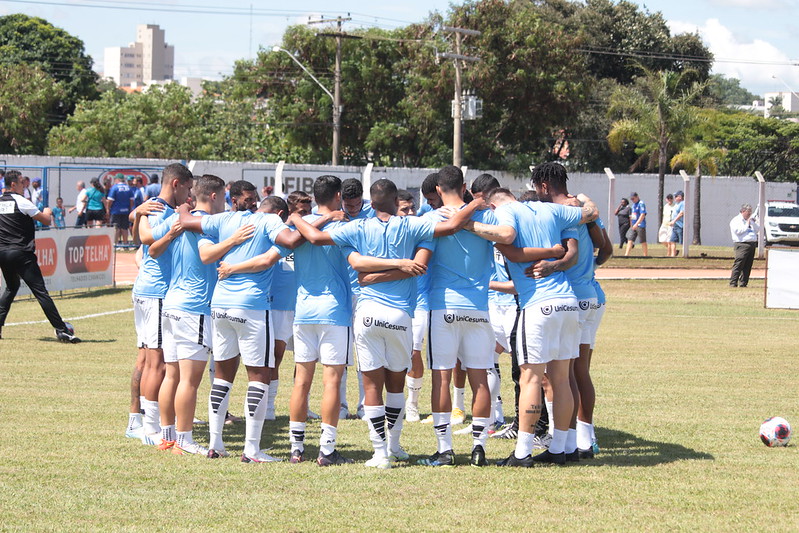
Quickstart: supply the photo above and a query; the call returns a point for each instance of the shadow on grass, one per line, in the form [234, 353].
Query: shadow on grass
[625, 449]
[82, 341]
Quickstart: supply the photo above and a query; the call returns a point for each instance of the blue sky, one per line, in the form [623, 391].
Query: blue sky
[752, 40]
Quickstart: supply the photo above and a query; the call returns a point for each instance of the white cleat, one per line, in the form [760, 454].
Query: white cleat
[259, 457]
[382, 463]
[411, 412]
[151, 439]
[399, 455]
[135, 433]
[313, 416]
[464, 431]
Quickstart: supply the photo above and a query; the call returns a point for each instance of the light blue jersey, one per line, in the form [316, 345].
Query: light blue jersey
[500, 274]
[582, 273]
[153, 278]
[538, 225]
[284, 284]
[245, 291]
[600, 294]
[423, 292]
[461, 266]
[323, 282]
[397, 238]
[192, 283]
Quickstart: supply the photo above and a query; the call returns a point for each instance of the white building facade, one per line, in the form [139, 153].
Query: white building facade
[147, 60]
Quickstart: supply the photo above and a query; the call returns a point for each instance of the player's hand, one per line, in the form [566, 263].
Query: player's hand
[540, 269]
[448, 212]
[148, 208]
[242, 234]
[338, 216]
[223, 270]
[582, 198]
[176, 230]
[559, 251]
[573, 201]
[292, 218]
[409, 266]
[47, 212]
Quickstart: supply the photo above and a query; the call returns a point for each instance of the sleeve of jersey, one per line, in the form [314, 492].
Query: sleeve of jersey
[162, 227]
[112, 192]
[570, 233]
[568, 215]
[210, 225]
[642, 207]
[345, 236]
[26, 207]
[600, 223]
[273, 228]
[205, 240]
[505, 217]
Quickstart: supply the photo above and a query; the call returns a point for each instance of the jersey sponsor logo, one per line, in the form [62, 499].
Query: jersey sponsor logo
[225, 316]
[546, 310]
[449, 318]
[584, 305]
[596, 306]
[88, 254]
[47, 256]
[367, 321]
[7, 208]
[170, 316]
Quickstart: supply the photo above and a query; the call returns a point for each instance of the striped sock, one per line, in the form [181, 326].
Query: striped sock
[254, 413]
[395, 414]
[376, 418]
[218, 401]
[443, 428]
[297, 435]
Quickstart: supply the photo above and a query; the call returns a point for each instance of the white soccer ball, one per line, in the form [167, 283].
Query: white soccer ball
[775, 431]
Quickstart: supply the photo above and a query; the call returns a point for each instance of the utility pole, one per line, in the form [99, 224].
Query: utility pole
[337, 107]
[457, 106]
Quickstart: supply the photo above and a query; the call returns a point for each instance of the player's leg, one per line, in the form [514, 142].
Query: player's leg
[458, 395]
[399, 344]
[413, 380]
[31, 274]
[134, 429]
[192, 346]
[298, 404]
[334, 352]
[256, 342]
[530, 377]
[153, 373]
[226, 364]
[169, 385]
[375, 413]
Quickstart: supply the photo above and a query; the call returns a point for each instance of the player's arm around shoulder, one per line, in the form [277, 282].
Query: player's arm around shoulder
[309, 232]
[258, 263]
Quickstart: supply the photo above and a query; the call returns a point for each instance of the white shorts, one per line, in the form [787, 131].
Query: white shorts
[147, 317]
[591, 339]
[283, 324]
[329, 345]
[383, 337]
[246, 332]
[502, 319]
[186, 336]
[420, 321]
[546, 331]
[587, 317]
[460, 334]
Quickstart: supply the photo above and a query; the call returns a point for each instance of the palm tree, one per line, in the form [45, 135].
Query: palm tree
[693, 158]
[656, 114]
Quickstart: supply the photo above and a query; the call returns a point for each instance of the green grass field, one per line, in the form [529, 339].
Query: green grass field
[685, 372]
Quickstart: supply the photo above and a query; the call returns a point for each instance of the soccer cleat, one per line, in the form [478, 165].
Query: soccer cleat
[332, 459]
[411, 412]
[198, 422]
[135, 433]
[164, 445]
[445, 459]
[573, 457]
[457, 417]
[151, 439]
[382, 463]
[270, 414]
[464, 431]
[259, 457]
[297, 456]
[65, 336]
[230, 419]
[547, 457]
[217, 454]
[478, 456]
[190, 448]
[586, 454]
[595, 446]
[496, 426]
[512, 460]
[428, 420]
[344, 412]
[541, 442]
[399, 455]
[360, 413]
[313, 416]
[508, 431]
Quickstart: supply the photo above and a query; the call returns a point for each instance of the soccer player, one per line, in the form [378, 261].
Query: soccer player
[186, 311]
[549, 313]
[352, 200]
[382, 321]
[430, 194]
[149, 290]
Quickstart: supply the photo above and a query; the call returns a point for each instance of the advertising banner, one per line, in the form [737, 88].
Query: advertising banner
[75, 258]
[782, 291]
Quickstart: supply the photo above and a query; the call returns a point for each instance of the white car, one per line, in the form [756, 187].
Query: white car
[781, 223]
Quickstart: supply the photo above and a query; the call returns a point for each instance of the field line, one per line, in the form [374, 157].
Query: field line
[73, 318]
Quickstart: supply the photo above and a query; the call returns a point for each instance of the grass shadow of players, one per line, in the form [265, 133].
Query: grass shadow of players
[619, 448]
[82, 340]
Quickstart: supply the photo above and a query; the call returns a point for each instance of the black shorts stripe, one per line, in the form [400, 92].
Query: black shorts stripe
[429, 339]
[525, 355]
[200, 336]
[349, 348]
[268, 339]
[160, 323]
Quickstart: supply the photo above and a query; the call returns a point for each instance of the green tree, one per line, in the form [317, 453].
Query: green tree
[656, 113]
[36, 42]
[728, 91]
[693, 158]
[27, 97]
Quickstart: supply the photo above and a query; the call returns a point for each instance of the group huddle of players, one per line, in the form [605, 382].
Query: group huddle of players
[477, 273]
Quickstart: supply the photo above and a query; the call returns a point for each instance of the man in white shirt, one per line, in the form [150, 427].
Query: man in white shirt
[80, 205]
[744, 229]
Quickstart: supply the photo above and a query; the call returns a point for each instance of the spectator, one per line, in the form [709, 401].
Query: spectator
[26, 188]
[664, 232]
[59, 213]
[623, 215]
[37, 193]
[80, 205]
[95, 206]
[637, 224]
[743, 229]
[138, 195]
[119, 203]
[2, 179]
[153, 189]
[677, 222]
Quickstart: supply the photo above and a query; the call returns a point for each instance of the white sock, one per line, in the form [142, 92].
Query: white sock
[480, 430]
[361, 393]
[558, 444]
[211, 370]
[218, 401]
[297, 435]
[152, 417]
[184, 438]
[524, 445]
[443, 429]
[457, 400]
[134, 421]
[376, 419]
[168, 433]
[493, 389]
[551, 415]
[584, 430]
[593, 434]
[342, 390]
[414, 388]
[141, 404]
[571, 441]
[270, 401]
[327, 441]
[254, 413]
[395, 414]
